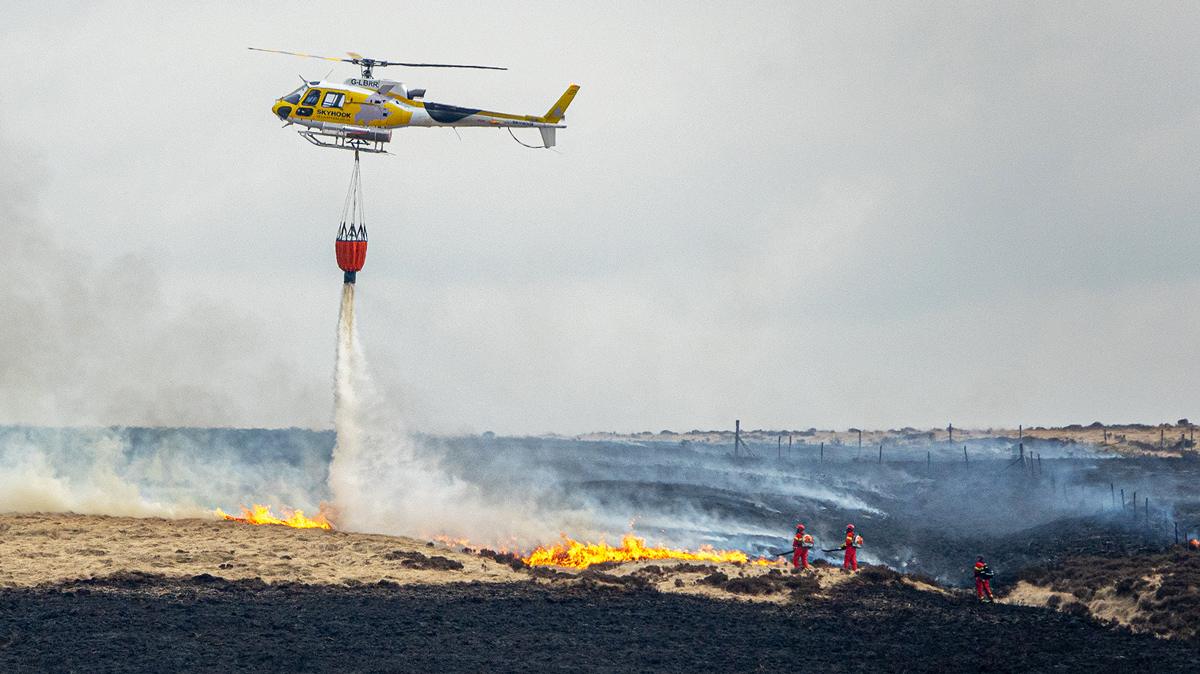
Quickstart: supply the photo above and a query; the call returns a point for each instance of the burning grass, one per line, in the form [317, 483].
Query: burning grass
[578, 555]
[261, 514]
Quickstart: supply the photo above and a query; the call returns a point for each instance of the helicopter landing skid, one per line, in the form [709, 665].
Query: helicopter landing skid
[344, 143]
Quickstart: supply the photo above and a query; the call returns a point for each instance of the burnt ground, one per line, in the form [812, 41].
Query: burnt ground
[147, 623]
[1047, 545]
[1165, 586]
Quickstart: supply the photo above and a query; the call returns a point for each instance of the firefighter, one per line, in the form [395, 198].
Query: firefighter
[801, 544]
[983, 581]
[851, 545]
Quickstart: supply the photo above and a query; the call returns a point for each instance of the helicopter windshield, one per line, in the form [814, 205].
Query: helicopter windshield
[294, 97]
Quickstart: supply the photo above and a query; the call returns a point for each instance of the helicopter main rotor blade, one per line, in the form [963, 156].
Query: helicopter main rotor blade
[360, 60]
[436, 65]
[359, 57]
[293, 53]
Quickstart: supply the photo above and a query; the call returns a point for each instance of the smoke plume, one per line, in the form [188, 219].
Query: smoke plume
[384, 479]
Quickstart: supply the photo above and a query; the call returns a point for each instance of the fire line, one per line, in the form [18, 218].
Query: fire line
[261, 514]
[575, 554]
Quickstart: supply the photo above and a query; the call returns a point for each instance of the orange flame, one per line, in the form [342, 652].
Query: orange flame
[261, 514]
[574, 554]
[453, 542]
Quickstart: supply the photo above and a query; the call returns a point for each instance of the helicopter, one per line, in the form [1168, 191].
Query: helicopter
[360, 113]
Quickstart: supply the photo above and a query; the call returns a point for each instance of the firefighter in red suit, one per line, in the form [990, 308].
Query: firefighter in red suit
[801, 544]
[983, 580]
[851, 545]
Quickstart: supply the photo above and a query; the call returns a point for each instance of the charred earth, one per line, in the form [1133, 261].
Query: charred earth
[148, 623]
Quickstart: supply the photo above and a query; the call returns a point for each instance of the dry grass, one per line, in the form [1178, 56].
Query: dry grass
[1155, 593]
[44, 548]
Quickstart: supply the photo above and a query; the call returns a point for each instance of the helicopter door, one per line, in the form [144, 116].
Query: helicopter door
[310, 100]
[333, 99]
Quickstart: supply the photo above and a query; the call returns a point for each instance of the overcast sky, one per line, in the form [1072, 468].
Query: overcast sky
[797, 215]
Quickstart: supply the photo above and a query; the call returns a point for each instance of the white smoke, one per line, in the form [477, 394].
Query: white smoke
[32, 482]
[383, 481]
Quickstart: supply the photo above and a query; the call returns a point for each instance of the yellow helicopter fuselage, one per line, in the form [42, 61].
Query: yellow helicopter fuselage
[341, 109]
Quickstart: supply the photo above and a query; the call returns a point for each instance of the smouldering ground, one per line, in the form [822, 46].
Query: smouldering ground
[81, 593]
[874, 622]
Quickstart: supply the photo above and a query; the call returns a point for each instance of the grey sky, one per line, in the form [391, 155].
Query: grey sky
[799, 215]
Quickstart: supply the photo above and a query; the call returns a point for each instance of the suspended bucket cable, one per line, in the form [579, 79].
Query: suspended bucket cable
[351, 244]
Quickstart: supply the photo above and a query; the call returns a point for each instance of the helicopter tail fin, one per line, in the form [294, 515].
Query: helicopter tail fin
[559, 109]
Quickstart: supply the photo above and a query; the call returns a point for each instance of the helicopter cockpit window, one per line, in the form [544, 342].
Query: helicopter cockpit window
[333, 100]
[294, 97]
[311, 98]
